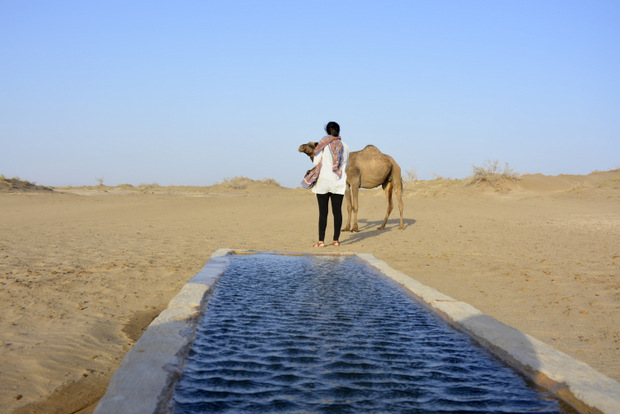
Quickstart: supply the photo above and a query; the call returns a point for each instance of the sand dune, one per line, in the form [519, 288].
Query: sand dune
[84, 270]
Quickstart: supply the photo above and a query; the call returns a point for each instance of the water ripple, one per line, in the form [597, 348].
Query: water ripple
[328, 335]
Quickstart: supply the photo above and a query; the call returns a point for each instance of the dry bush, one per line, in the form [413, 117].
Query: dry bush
[270, 181]
[491, 173]
[16, 184]
[241, 183]
[147, 186]
[410, 175]
[237, 183]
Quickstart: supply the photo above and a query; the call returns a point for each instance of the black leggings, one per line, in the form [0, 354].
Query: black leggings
[323, 200]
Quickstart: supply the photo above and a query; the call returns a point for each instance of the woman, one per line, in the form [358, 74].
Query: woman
[329, 179]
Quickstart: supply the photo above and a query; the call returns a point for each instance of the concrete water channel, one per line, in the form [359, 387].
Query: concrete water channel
[285, 332]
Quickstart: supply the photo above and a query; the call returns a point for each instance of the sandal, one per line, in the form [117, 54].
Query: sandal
[319, 244]
[335, 243]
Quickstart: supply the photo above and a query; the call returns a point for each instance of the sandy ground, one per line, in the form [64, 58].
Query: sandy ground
[83, 272]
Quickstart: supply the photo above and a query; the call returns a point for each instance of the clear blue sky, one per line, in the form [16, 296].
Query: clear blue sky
[193, 92]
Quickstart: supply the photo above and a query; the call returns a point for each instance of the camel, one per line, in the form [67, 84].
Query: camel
[368, 168]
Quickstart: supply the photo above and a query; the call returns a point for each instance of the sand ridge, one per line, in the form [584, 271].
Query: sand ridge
[83, 271]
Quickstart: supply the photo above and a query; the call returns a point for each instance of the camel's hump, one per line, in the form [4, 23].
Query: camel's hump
[371, 149]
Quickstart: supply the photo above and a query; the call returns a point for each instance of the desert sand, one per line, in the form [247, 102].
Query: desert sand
[84, 270]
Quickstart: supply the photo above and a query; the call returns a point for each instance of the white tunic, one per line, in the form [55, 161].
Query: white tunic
[328, 181]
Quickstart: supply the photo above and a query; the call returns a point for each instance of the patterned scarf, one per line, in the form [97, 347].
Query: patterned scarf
[335, 145]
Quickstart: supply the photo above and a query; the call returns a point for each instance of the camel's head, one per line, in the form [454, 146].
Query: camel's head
[308, 149]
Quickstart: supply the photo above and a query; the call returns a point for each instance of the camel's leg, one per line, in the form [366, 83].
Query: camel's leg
[388, 193]
[347, 196]
[355, 205]
[399, 195]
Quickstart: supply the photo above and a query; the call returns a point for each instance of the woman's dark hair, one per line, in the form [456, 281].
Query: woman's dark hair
[333, 129]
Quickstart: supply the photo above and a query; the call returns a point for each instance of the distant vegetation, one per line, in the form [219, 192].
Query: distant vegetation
[17, 185]
[240, 183]
[410, 175]
[236, 183]
[492, 174]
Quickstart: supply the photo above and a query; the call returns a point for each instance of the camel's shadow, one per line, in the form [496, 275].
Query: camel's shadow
[369, 229]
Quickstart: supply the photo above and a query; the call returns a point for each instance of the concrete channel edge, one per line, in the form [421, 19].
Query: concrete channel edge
[144, 382]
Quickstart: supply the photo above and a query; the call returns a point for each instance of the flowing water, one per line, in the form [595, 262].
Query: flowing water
[304, 334]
